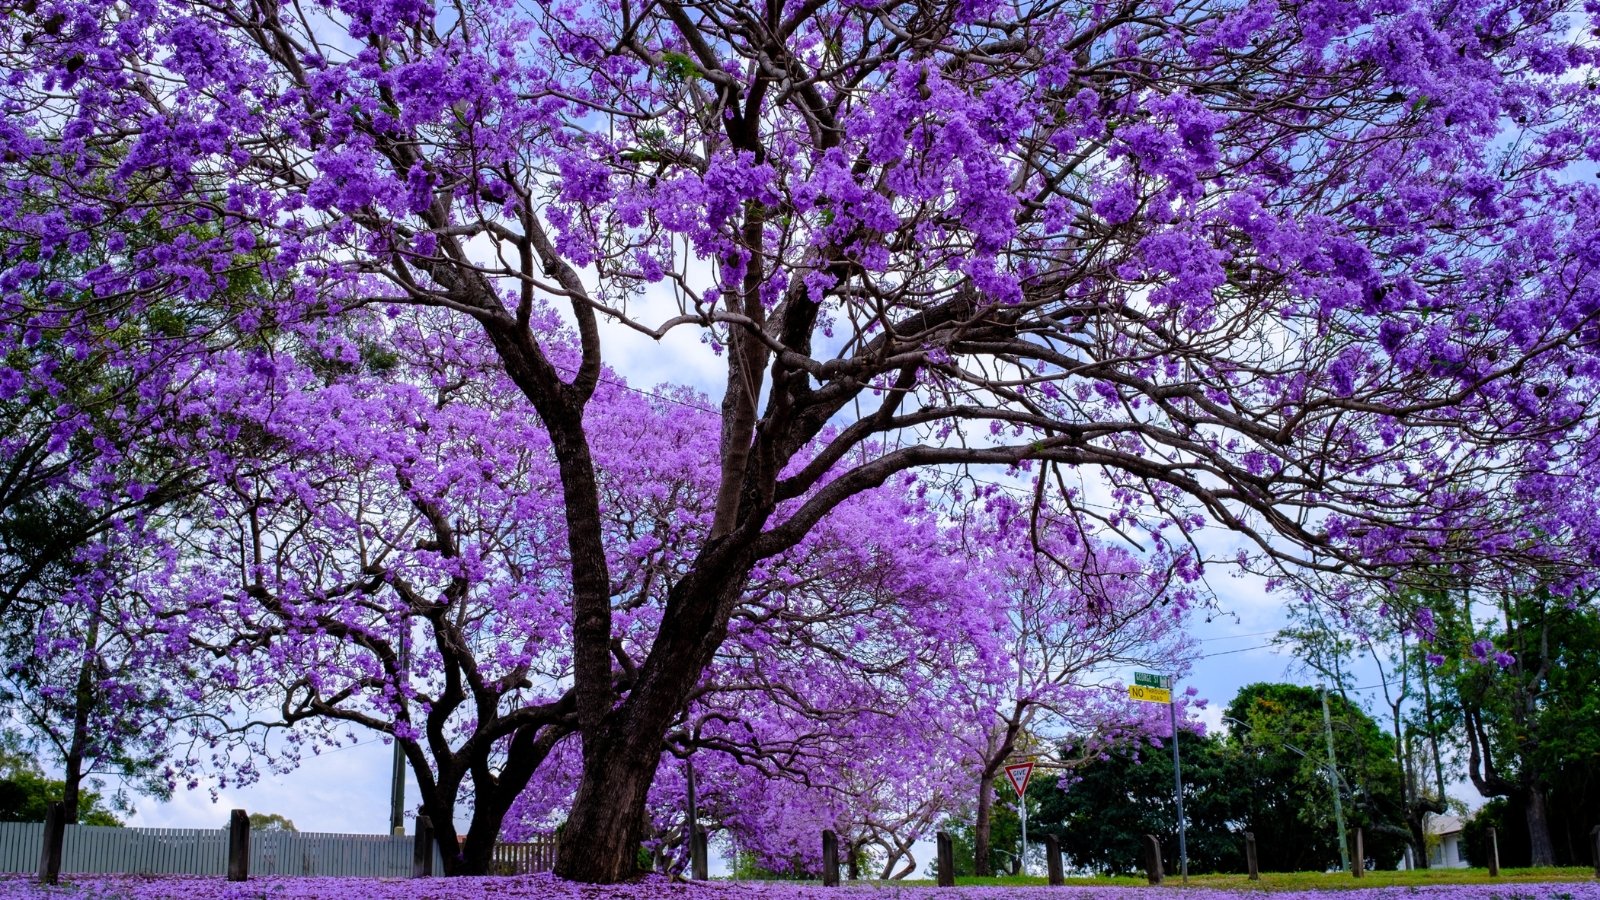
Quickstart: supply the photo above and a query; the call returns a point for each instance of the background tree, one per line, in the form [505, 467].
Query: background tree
[270, 822]
[1078, 612]
[85, 390]
[1285, 723]
[1100, 811]
[1383, 629]
[1250, 779]
[1516, 673]
[26, 794]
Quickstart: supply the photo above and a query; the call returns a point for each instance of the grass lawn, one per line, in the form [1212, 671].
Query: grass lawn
[1307, 881]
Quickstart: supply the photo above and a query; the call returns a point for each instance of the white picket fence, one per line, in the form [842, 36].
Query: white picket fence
[201, 851]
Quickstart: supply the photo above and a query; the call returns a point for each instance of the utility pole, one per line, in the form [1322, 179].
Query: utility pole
[1177, 786]
[1333, 782]
[397, 790]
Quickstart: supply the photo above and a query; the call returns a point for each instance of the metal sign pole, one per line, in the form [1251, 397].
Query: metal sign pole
[1024, 865]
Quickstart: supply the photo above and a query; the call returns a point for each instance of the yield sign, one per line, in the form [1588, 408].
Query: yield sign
[1018, 774]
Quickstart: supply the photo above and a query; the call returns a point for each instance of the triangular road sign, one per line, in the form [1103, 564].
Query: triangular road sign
[1018, 774]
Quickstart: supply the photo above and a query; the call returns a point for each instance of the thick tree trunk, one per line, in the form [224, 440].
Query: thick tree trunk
[477, 854]
[981, 863]
[1541, 849]
[477, 850]
[600, 842]
[440, 808]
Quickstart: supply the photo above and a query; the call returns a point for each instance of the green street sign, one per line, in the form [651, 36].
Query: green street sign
[1148, 680]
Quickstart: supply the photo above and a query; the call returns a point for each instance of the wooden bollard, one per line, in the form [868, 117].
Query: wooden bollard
[1152, 858]
[55, 832]
[946, 861]
[422, 849]
[1052, 860]
[1491, 847]
[830, 858]
[1360, 867]
[1250, 856]
[238, 845]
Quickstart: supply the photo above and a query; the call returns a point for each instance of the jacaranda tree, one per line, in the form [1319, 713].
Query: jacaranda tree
[1313, 269]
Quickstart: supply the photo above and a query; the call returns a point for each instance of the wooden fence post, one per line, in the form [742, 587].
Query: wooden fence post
[830, 858]
[422, 849]
[1250, 856]
[1359, 868]
[238, 845]
[946, 860]
[1152, 858]
[1491, 846]
[1052, 860]
[55, 831]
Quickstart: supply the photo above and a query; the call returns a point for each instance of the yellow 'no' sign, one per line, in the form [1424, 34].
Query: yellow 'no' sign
[1149, 694]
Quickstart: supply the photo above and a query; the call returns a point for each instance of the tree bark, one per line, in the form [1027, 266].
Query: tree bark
[440, 808]
[78, 746]
[1541, 849]
[981, 864]
[1419, 842]
[601, 840]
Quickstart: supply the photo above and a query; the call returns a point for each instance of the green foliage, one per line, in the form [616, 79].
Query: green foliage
[747, 867]
[1255, 780]
[271, 822]
[678, 66]
[1109, 805]
[26, 794]
[1536, 718]
[1287, 733]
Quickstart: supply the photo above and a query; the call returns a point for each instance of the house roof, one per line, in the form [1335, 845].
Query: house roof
[1442, 825]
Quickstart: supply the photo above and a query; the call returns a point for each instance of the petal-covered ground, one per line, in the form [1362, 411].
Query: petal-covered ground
[129, 887]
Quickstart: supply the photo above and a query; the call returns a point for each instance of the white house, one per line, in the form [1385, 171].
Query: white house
[1445, 847]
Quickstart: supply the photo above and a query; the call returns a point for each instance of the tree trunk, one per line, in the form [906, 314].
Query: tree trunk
[1541, 849]
[600, 843]
[477, 854]
[1419, 841]
[441, 812]
[981, 864]
[477, 850]
[83, 701]
[71, 788]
